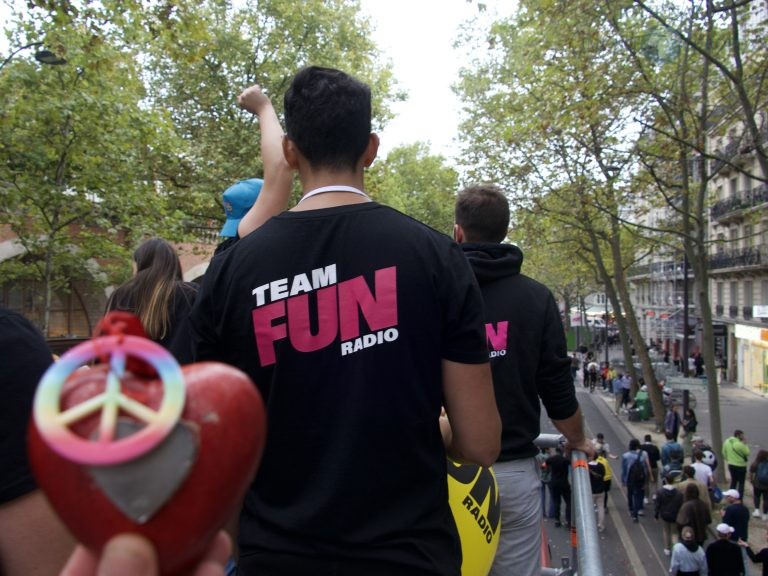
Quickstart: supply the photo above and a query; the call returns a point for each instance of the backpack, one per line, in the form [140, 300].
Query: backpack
[636, 472]
[761, 475]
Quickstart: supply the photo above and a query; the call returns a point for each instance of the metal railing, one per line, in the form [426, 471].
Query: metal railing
[585, 549]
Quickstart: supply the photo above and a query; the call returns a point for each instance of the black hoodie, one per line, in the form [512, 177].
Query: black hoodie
[527, 348]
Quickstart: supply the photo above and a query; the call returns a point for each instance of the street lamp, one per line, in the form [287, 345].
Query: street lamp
[43, 56]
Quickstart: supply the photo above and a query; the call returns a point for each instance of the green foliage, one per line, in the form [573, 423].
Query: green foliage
[416, 183]
[139, 132]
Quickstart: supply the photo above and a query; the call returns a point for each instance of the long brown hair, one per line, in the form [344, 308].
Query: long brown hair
[149, 294]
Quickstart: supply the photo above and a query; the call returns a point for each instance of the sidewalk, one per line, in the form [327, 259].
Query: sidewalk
[745, 410]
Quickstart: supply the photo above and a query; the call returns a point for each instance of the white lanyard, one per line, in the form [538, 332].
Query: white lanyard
[333, 188]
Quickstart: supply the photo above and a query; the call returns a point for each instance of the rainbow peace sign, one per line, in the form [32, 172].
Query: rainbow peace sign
[53, 424]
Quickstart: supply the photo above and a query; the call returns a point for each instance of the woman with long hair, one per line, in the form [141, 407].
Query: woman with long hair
[758, 475]
[157, 293]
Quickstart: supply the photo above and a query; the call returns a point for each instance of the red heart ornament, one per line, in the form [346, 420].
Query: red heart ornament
[220, 432]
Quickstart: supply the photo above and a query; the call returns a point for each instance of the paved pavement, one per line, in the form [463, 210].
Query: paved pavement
[636, 549]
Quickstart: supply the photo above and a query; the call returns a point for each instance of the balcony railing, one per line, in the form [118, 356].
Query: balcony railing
[739, 258]
[719, 310]
[740, 201]
[733, 311]
[741, 146]
[746, 312]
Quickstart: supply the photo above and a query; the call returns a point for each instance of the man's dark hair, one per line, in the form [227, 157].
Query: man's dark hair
[648, 438]
[689, 471]
[482, 211]
[634, 444]
[328, 117]
[698, 455]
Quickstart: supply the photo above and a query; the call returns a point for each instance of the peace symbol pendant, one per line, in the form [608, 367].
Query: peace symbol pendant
[137, 455]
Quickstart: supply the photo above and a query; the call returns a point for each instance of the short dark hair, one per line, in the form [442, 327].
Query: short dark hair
[698, 454]
[482, 211]
[328, 117]
[634, 444]
[648, 438]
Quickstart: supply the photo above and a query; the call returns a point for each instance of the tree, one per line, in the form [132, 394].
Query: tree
[550, 115]
[77, 150]
[416, 183]
[204, 53]
[139, 133]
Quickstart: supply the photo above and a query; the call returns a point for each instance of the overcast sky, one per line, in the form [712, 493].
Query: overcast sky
[418, 36]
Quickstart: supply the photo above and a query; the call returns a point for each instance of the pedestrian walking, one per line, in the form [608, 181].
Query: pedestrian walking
[618, 392]
[607, 477]
[667, 504]
[634, 471]
[547, 505]
[736, 455]
[694, 514]
[724, 556]
[759, 558]
[560, 485]
[688, 557]
[672, 421]
[654, 456]
[736, 514]
[597, 486]
[758, 475]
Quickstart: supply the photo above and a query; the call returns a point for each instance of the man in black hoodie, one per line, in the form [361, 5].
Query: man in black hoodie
[529, 360]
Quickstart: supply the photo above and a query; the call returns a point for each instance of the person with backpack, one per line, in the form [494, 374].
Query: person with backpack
[597, 486]
[672, 455]
[635, 468]
[758, 475]
[666, 506]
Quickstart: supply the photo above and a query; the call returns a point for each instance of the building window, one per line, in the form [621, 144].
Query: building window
[764, 292]
[719, 293]
[748, 294]
[734, 186]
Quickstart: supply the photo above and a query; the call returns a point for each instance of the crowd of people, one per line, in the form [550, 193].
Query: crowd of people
[465, 351]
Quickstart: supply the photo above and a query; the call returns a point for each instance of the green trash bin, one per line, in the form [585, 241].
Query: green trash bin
[643, 405]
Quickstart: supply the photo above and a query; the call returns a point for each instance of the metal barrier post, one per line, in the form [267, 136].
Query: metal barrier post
[589, 562]
[584, 537]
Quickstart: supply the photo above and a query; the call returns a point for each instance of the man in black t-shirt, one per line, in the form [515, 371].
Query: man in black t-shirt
[559, 484]
[357, 324]
[654, 456]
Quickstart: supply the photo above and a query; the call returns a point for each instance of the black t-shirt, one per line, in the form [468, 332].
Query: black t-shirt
[342, 317]
[654, 455]
[559, 466]
[24, 358]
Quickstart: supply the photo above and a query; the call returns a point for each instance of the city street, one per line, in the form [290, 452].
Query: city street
[636, 549]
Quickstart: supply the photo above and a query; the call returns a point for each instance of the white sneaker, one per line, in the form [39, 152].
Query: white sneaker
[666, 552]
[756, 514]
